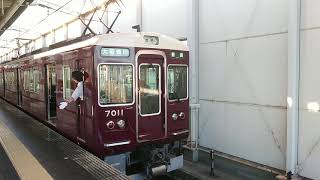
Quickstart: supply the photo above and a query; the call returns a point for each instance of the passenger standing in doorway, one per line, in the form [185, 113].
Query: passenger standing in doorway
[77, 77]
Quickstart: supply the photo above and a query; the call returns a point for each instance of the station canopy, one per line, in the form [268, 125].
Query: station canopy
[45, 20]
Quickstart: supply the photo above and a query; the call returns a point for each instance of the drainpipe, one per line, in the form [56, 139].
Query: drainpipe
[293, 85]
[193, 43]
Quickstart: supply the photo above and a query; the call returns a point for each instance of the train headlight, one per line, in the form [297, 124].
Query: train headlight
[151, 40]
[121, 124]
[182, 115]
[174, 116]
[110, 124]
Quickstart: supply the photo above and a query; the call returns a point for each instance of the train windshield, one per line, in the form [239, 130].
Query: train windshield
[177, 82]
[149, 85]
[115, 84]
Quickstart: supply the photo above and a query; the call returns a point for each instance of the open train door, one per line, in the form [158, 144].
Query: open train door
[151, 102]
[70, 118]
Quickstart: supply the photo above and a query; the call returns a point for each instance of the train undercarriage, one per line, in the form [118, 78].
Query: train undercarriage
[149, 161]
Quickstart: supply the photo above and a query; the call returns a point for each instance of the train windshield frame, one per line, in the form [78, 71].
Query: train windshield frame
[177, 84]
[115, 84]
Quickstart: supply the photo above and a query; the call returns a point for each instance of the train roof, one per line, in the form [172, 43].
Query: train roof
[121, 40]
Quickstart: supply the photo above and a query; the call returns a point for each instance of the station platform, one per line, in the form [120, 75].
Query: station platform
[7, 171]
[30, 150]
[225, 169]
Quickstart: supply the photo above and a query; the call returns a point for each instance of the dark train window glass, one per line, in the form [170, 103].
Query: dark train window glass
[26, 80]
[66, 82]
[115, 84]
[6, 77]
[10, 81]
[36, 75]
[31, 81]
[177, 82]
[1, 79]
[149, 89]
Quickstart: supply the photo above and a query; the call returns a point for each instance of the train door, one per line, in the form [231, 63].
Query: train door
[81, 103]
[19, 83]
[151, 121]
[70, 118]
[51, 93]
[1, 83]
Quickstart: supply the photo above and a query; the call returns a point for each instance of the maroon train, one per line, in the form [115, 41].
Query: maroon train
[135, 108]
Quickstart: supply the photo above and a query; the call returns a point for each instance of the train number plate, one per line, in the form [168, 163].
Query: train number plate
[114, 113]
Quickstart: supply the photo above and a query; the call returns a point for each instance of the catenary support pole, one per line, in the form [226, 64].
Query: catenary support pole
[293, 85]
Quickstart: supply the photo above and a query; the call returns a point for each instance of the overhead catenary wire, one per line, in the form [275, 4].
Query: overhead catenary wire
[68, 13]
[59, 9]
[34, 26]
[62, 6]
[25, 31]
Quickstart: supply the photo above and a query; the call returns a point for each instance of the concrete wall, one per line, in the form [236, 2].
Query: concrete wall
[309, 122]
[243, 78]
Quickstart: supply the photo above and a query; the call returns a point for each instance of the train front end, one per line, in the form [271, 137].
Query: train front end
[143, 105]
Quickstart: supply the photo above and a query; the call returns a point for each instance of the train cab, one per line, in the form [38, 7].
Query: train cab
[142, 91]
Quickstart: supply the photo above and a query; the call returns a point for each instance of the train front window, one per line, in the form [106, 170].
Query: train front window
[177, 82]
[149, 89]
[115, 84]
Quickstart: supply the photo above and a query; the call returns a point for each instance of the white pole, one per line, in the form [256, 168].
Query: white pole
[139, 13]
[2, 8]
[293, 85]
[193, 43]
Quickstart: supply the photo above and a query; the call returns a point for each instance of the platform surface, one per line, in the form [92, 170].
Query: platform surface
[30, 150]
[7, 171]
[224, 169]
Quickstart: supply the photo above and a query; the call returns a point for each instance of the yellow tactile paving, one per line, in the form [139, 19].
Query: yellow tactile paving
[26, 165]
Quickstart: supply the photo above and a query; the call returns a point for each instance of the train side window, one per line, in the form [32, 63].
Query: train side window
[177, 82]
[36, 76]
[10, 81]
[31, 80]
[1, 79]
[115, 84]
[66, 82]
[6, 77]
[26, 80]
